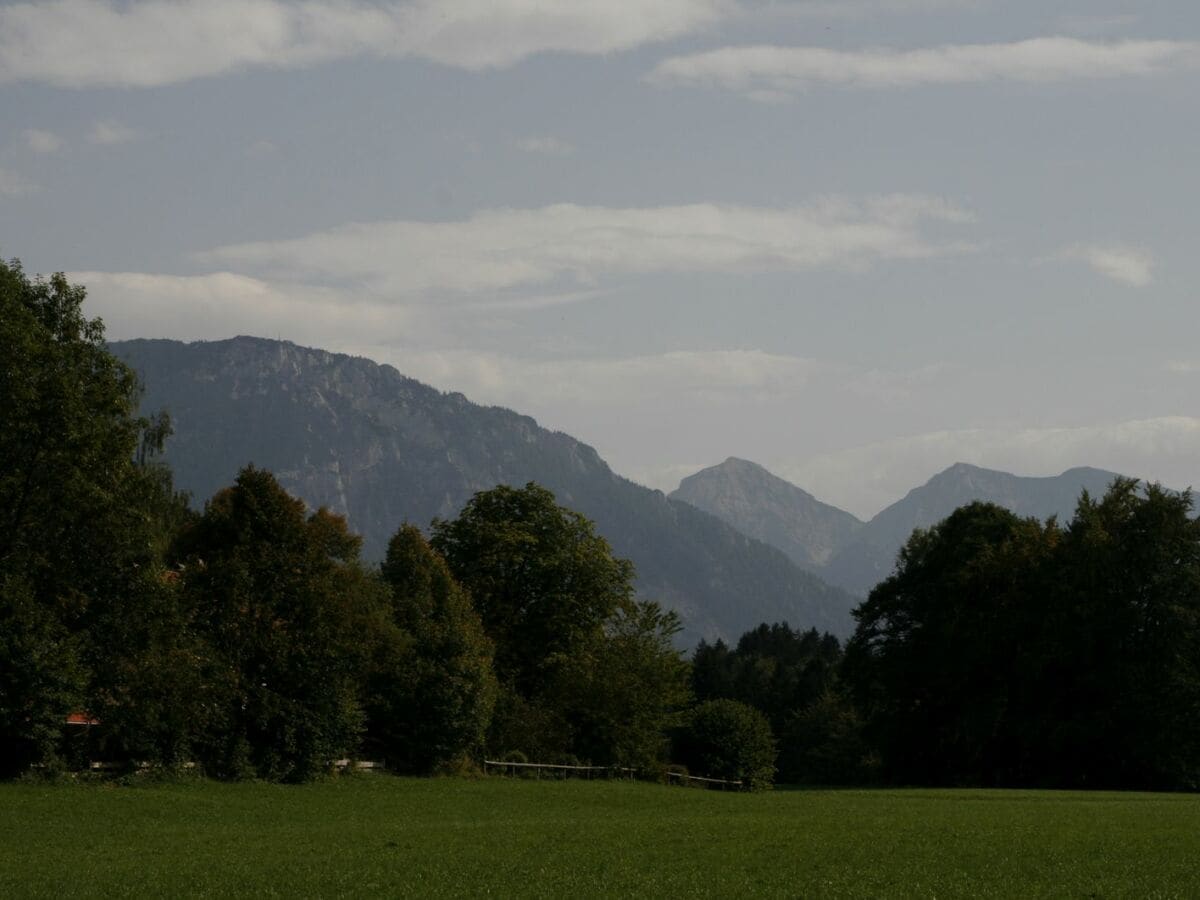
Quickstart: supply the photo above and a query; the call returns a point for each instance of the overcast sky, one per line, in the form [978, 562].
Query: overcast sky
[853, 240]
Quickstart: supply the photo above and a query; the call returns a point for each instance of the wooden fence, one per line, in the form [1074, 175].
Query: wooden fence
[558, 771]
[553, 770]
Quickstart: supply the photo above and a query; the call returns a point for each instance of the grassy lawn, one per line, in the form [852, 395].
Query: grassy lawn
[377, 835]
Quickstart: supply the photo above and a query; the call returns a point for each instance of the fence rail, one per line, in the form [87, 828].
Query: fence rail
[723, 782]
[562, 771]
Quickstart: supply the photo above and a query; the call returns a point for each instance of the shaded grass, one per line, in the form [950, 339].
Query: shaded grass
[377, 835]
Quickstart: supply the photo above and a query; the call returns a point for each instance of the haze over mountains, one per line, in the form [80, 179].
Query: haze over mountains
[383, 449]
[856, 555]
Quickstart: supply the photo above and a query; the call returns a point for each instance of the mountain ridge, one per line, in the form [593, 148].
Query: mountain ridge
[771, 509]
[866, 554]
[382, 448]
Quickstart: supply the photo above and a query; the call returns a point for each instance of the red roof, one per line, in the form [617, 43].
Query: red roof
[81, 718]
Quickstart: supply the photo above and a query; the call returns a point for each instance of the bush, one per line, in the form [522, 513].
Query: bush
[728, 739]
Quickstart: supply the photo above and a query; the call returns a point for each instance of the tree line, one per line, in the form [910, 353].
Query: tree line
[252, 638]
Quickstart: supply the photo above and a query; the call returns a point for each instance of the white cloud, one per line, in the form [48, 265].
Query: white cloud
[40, 141]
[508, 249]
[1183, 367]
[704, 376]
[144, 43]
[865, 479]
[545, 146]
[108, 132]
[779, 71]
[1133, 266]
[222, 304]
[13, 185]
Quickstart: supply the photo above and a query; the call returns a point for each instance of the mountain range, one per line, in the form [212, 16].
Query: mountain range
[853, 554]
[382, 449]
[732, 547]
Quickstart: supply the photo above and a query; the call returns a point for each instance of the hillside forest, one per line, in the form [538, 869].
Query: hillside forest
[252, 639]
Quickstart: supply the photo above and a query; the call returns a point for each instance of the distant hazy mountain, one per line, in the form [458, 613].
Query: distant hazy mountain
[775, 511]
[382, 449]
[856, 556]
[871, 556]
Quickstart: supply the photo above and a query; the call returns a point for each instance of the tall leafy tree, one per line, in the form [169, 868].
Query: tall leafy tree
[279, 599]
[622, 695]
[432, 695]
[1123, 646]
[543, 581]
[940, 662]
[77, 537]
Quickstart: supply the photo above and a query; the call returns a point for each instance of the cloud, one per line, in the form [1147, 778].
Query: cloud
[1133, 266]
[146, 43]
[13, 185]
[40, 141]
[706, 376]
[567, 245]
[545, 146]
[865, 479]
[775, 71]
[108, 132]
[1183, 367]
[222, 304]
[856, 9]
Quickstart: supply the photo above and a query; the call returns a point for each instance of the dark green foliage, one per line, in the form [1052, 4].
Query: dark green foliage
[279, 599]
[81, 535]
[823, 743]
[624, 693]
[431, 701]
[937, 659]
[1126, 643]
[782, 672]
[41, 679]
[543, 582]
[587, 673]
[731, 740]
[1004, 651]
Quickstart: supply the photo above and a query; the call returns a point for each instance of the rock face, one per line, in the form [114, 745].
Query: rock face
[775, 511]
[383, 449]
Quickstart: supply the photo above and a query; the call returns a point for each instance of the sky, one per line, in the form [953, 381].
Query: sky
[853, 241]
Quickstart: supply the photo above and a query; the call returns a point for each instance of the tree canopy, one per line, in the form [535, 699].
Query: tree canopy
[1007, 651]
[544, 583]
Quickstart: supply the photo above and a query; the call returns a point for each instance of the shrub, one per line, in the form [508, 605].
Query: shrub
[728, 739]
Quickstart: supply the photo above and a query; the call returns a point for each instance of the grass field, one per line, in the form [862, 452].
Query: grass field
[377, 835]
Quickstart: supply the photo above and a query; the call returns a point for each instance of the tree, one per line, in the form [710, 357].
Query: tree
[76, 538]
[623, 694]
[432, 696]
[543, 581]
[731, 740]
[1005, 651]
[280, 601]
[1123, 644]
[939, 663]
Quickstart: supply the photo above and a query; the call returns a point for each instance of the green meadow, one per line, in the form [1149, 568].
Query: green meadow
[384, 836]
